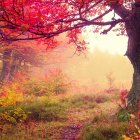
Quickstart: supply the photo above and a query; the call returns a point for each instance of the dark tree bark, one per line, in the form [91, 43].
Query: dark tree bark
[132, 24]
[15, 65]
[133, 52]
[11, 65]
[6, 66]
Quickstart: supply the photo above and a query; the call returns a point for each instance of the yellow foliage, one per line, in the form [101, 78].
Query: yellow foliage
[126, 138]
[10, 95]
[13, 116]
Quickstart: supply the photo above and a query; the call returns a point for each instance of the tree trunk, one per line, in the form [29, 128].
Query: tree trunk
[15, 65]
[133, 53]
[11, 65]
[6, 66]
[134, 94]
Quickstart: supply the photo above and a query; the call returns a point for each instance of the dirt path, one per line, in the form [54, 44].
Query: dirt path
[71, 132]
[81, 116]
[77, 118]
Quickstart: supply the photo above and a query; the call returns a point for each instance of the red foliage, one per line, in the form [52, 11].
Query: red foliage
[44, 19]
[123, 97]
[3, 94]
[124, 94]
[137, 1]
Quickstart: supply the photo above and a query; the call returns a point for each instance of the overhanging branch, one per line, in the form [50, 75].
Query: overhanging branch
[57, 32]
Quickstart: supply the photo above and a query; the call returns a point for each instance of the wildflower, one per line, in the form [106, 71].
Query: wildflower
[123, 97]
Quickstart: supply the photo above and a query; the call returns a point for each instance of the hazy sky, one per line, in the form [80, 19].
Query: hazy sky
[111, 42]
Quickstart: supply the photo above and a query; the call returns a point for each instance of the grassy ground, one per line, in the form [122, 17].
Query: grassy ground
[65, 117]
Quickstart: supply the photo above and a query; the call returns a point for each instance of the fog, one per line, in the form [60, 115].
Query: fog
[89, 68]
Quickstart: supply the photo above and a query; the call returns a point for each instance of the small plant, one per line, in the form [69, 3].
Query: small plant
[110, 80]
[123, 98]
[123, 115]
[133, 132]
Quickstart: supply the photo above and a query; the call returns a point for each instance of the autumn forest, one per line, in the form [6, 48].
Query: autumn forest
[69, 70]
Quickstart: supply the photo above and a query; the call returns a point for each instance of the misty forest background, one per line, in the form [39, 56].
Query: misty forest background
[62, 94]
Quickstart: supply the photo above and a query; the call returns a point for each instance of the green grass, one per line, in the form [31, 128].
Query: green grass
[48, 116]
[32, 131]
[104, 131]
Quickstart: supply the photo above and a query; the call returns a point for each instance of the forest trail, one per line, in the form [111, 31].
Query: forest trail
[79, 117]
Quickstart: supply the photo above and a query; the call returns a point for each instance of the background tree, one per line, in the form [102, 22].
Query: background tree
[19, 58]
[44, 19]
[111, 81]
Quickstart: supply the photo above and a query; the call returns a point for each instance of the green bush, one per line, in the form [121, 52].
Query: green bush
[37, 88]
[123, 115]
[13, 116]
[45, 110]
[47, 88]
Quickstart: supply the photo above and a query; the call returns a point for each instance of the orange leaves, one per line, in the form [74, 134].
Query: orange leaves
[24, 27]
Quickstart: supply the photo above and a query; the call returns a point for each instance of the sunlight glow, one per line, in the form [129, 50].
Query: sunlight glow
[110, 43]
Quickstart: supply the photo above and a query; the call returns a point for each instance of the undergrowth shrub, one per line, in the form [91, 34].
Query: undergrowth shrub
[55, 83]
[104, 131]
[59, 80]
[11, 95]
[41, 109]
[13, 116]
[123, 115]
[45, 110]
[133, 132]
[37, 88]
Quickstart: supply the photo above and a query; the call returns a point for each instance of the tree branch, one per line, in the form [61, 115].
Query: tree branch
[120, 10]
[57, 32]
